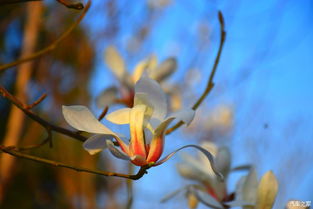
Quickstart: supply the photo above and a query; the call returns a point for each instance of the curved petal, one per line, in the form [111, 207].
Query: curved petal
[185, 115]
[188, 171]
[204, 151]
[198, 167]
[267, 191]
[222, 160]
[150, 93]
[156, 148]
[82, 119]
[120, 116]
[116, 151]
[107, 97]
[249, 187]
[144, 66]
[164, 70]
[172, 194]
[137, 141]
[95, 143]
[115, 62]
[207, 200]
[138, 160]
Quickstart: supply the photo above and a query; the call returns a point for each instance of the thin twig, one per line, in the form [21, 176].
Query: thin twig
[210, 83]
[52, 46]
[30, 147]
[104, 112]
[75, 5]
[10, 150]
[130, 196]
[41, 98]
[38, 119]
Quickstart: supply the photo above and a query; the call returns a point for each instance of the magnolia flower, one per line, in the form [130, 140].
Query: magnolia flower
[211, 190]
[251, 194]
[200, 170]
[117, 65]
[147, 120]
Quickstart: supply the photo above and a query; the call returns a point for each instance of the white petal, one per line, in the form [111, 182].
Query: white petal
[160, 130]
[199, 167]
[164, 70]
[144, 66]
[120, 116]
[172, 194]
[115, 62]
[139, 69]
[267, 191]
[222, 160]
[116, 151]
[96, 143]
[185, 115]
[249, 187]
[207, 199]
[82, 119]
[107, 97]
[155, 98]
[204, 151]
[189, 172]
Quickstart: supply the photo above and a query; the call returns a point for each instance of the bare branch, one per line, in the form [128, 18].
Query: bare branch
[41, 98]
[210, 83]
[38, 119]
[10, 150]
[29, 147]
[52, 46]
[75, 5]
[104, 112]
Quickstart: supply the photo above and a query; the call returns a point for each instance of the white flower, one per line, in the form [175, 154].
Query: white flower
[148, 121]
[256, 195]
[200, 170]
[118, 67]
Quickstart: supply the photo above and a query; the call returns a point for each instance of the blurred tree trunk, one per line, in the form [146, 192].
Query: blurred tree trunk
[16, 118]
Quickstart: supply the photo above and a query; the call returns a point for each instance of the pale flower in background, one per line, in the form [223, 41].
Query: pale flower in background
[251, 194]
[125, 93]
[214, 123]
[211, 191]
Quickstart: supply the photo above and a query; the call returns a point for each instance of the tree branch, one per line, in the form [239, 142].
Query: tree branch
[75, 5]
[210, 83]
[52, 46]
[38, 119]
[11, 151]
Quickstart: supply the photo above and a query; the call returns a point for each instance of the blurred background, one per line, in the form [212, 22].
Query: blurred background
[260, 107]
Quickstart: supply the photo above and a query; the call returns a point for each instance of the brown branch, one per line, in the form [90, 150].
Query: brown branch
[104, 112]
[38, 119]
[210, 83]
[11, 151]
[41, 98]
[29, 147]
[52, 46]
[75, 5]
[129, 184]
